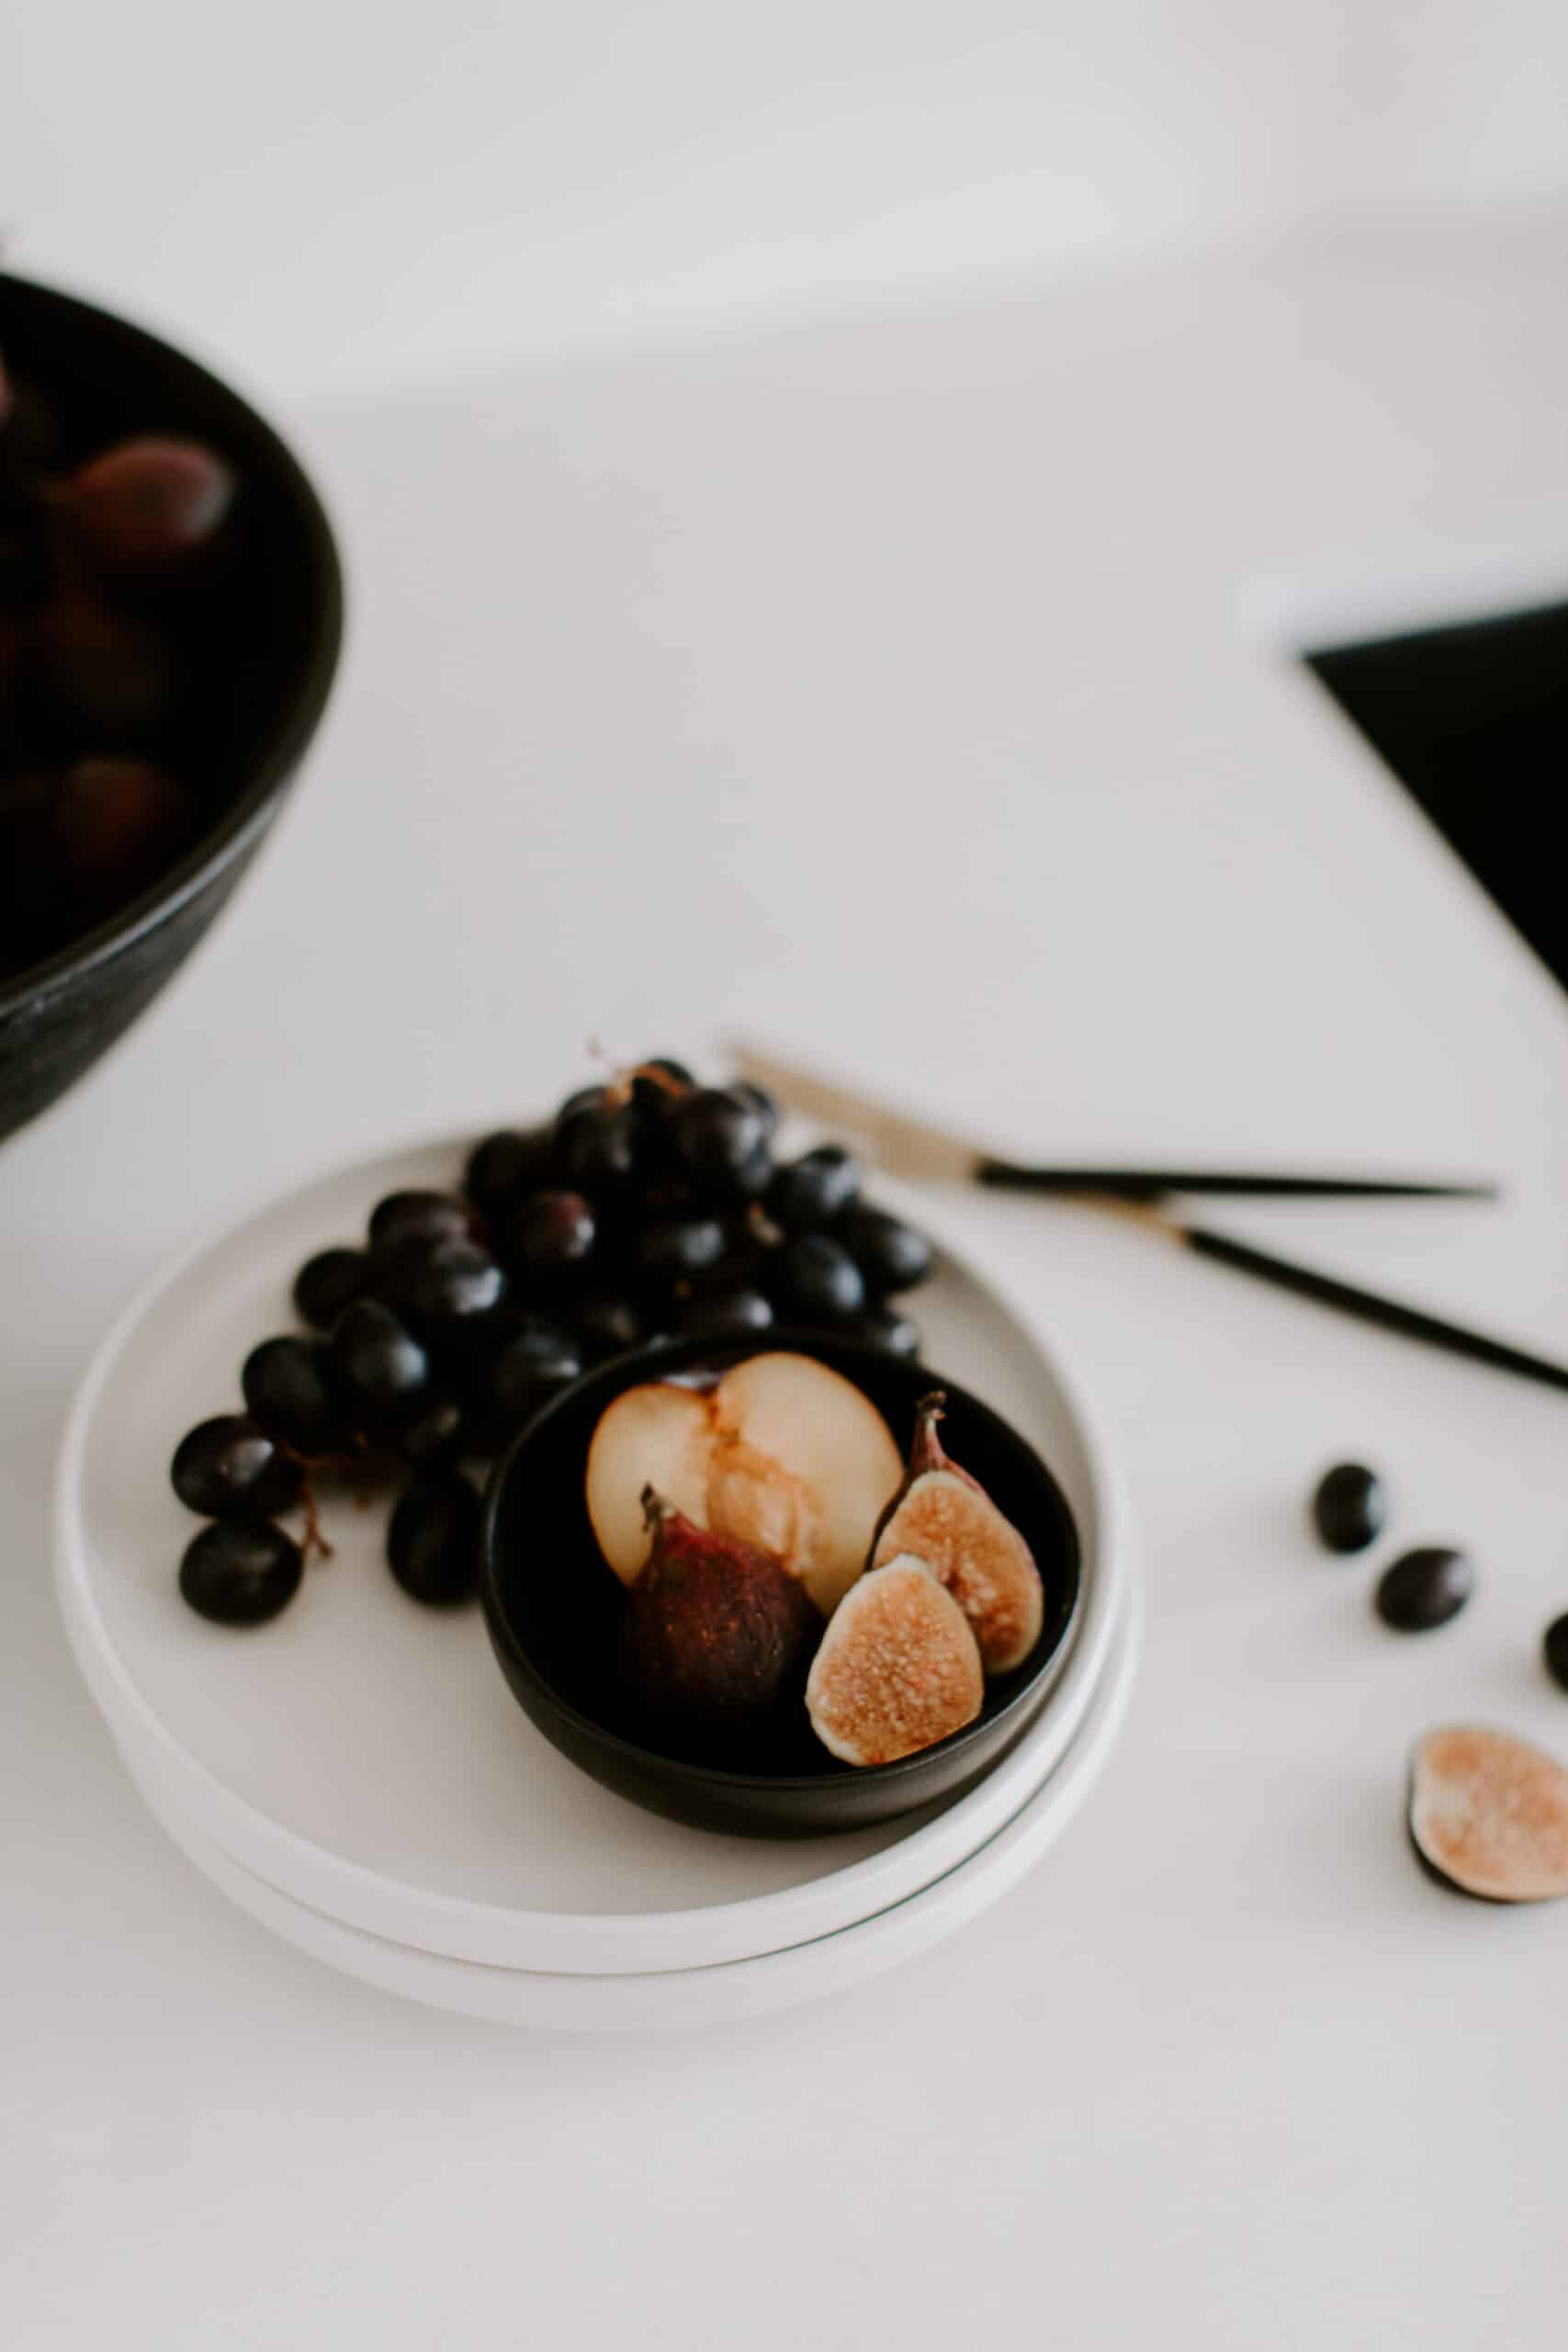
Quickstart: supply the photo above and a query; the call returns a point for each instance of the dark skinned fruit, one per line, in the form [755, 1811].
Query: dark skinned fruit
[117, 825]
[898, 1667]
[890, 1254]
[720, 1312]
[1349, 1506]
[506, 1166]
[716, 1636]
[241, 1571]
[432, 1540]
[381, 1369]
[328, 1282]
[419, 1217]
[945, 1517]
[552, 1236]
[816, 1281]
[1554, 1651]
[1488, 1815]
[1424, 1588]
[229, 1467]
[288, 1388]
[607, 1327]
[815, 1190]
[717, 1136]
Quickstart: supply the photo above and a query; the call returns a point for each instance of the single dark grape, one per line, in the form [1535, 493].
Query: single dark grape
[531, 1366]
[241, 1571]
[99, 676]
[580, 1099]
[433, 1539]
[891, 1255]
[719, 1311]
[449, 1289]
[290, 1389]
[117, 824]
[762, 1103]
[328, 1282]
[717, 1136]
[817, 1281]
[1554, 1649]
[1424, 1588]
[814, 1189]
[607, 1327]
[382, 1369]
[598, 1147]
[230, 1468]
[438, 1435]
[884, 1326]
[1349, 1505]
[655, 1099]
[419, 1217]
[671, 1068]
[552, 1236]
[507, 1165]
[676, 1249]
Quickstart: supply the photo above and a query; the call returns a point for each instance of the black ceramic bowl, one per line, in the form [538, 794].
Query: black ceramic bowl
[552, 1607]
[271, 631]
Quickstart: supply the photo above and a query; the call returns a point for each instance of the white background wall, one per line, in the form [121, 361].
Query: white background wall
[333, 191]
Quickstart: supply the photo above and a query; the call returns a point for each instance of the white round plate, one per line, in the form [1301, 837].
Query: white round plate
[364, 1756]
[706, 1995]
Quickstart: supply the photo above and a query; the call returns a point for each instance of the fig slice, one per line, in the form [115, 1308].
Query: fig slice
[946, 1519]
[897, 1670]
[1489, 1816]
[654, 1435]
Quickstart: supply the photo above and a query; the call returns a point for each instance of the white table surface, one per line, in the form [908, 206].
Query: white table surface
[890, 690]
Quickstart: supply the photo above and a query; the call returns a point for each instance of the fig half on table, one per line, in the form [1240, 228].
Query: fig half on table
[1488, 1815]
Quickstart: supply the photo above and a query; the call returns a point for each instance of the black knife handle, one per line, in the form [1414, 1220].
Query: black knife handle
[1154, 1183]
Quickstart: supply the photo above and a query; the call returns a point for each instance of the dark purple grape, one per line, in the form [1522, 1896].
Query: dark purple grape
[531, 1366]
[598, 1147]
[718, 1311]
[149, 501]
[419, 1217]
[230, 1468]
[607, 1327]
[432, 1540]
[580, 1099]
[436, 1436]
[679, 1249]
[814, 1189]
[552, 1236]
[289, 1390]
[450, 1289]
[671, 1068]
[891, 1255]
[508, 1165]
[762, 1103]
[817, 1281]
[117, 824]
[1554, 1650]
[383, 1370]
[717, 1138]
[328, 1282]
[241, 1571]
[883, 1327]
[1424, 1588]
[653, 1098]
[1349, 1505]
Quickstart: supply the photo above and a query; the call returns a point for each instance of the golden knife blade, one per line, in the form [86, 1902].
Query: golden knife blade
[904, 1146]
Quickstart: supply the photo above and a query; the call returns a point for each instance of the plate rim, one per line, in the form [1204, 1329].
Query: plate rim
[712, 1993]
[587, 1942]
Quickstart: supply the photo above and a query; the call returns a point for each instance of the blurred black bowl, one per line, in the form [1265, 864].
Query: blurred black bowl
[552, 1606]
[274, 622]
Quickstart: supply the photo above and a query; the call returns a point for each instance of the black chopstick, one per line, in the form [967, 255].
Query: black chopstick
[1367, 1304]
[1154, 1183]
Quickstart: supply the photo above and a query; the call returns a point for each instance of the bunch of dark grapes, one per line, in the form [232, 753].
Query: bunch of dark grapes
[649, 1206]
[106, 621]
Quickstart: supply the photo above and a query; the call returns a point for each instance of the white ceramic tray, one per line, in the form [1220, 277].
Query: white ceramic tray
[363, 1756]
[706, 1995]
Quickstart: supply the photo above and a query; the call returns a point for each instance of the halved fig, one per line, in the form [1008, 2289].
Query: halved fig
[897, 1670]
[946, 1519]
[1489, 1816]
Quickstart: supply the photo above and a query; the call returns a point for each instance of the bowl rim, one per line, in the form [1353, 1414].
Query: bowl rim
[283, 743]
[781, 1338]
